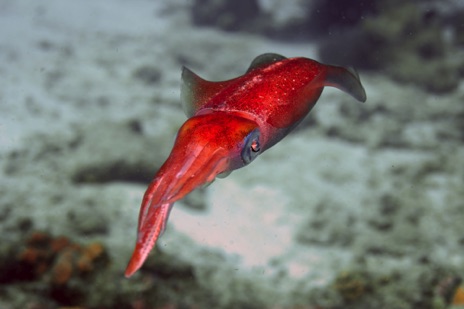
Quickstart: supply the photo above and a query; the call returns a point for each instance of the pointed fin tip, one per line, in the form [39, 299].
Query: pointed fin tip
[188, 75]
[361, 92]
[346, 79]
[196, 92]
[189, 80]
[265, 60]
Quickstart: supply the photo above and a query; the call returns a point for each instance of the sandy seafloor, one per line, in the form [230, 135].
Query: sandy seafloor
[375, 186]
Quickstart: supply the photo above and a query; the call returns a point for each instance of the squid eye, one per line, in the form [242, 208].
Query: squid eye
[255, 146]
[251, 147]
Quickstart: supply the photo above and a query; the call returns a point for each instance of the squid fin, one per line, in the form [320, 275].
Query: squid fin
[196, 91]
[264, 60]
[347, 80]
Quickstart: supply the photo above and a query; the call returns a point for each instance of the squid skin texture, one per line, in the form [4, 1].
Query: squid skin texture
[231, 123]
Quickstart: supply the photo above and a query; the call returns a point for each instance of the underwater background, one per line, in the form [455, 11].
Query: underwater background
[362, 206]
